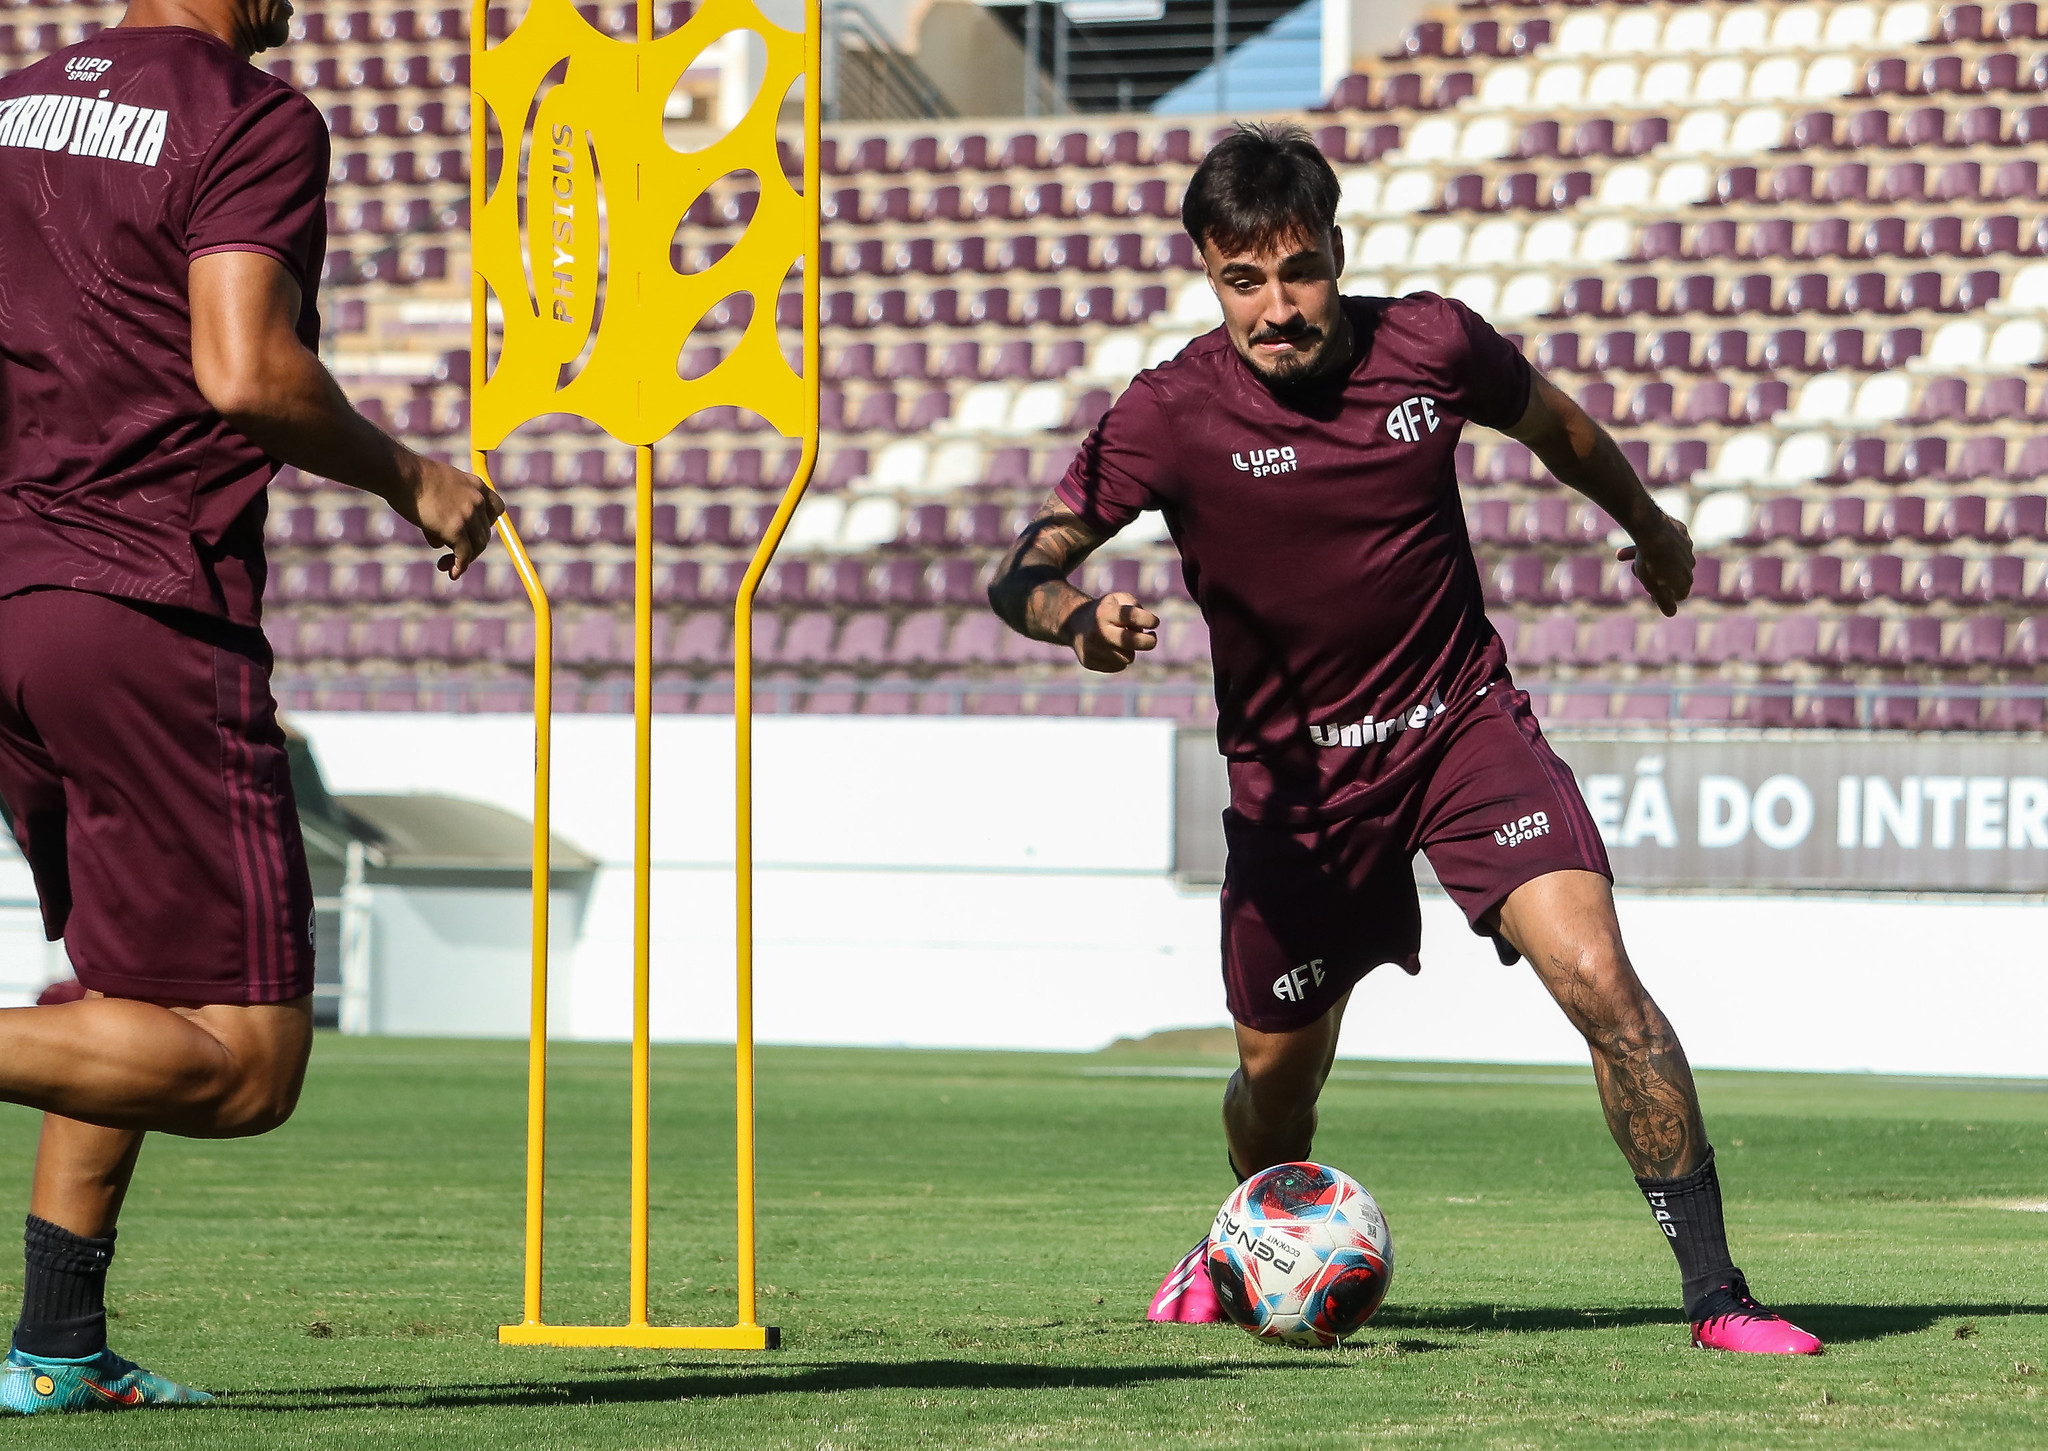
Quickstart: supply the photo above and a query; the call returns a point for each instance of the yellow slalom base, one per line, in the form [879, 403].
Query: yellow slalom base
[644, 1337]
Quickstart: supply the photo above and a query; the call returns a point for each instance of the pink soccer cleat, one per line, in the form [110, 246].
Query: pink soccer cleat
[1185, 1296]
[1747, 1328]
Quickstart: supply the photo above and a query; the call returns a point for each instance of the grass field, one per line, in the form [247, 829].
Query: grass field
[960, 1248]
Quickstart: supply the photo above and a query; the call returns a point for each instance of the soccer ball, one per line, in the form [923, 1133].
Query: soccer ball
[1300, 1253]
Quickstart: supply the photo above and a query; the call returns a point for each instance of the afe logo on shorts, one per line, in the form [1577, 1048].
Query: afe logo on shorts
[1292, 987]
[1413, 419]
[1517, 832]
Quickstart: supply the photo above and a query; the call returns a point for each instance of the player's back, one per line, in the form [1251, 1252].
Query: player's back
[122, 158]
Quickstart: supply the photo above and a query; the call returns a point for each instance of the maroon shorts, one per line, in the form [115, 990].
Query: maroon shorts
[1307, 912]
[143, 767]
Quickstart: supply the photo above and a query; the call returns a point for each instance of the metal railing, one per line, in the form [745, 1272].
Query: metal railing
[1704, 702]
[1123, 55]
[867, 78]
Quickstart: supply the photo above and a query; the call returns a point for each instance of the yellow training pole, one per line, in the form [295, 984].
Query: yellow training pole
[643, 818]
[743, 704]
[537, 1040]
[571, 251]
[643, 855]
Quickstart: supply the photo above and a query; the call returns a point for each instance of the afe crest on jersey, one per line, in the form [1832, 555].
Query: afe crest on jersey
[1412, 419]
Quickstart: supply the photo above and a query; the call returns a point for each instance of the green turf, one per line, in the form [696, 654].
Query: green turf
[959, 1248]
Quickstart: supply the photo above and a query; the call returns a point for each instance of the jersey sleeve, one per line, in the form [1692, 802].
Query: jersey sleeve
[1494, 379]
[1110, 481]
[263, 187]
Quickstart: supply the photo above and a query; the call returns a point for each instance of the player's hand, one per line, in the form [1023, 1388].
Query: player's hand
[1108, 633]
[455, 510]
[1662, 556]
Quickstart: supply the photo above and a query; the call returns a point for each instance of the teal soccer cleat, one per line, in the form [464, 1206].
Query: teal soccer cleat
[30, 1384]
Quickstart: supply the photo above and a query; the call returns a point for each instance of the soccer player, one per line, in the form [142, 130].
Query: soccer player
[1302, 455]
[162, 225]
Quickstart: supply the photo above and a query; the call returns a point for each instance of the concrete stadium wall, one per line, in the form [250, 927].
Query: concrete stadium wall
[1008, 883]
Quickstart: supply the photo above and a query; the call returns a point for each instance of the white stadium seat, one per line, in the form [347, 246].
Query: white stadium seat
[1726, 79]
[1554, 239]
[1906, 24]
[1635, 32]
[1479, 291]
[1883, 398]
[1824, 399]
[1408, 191]
[1527, 295]
[1505, 88]
[961, 464]
[1608, 240]
[1776, 79]
[1743, 28]
[1494, 243]
[2029, 290]
[1798, 27]
[1582, 34]
[1486, 138]
[1385, 244]
[2017, 344]
[815, 525]
[1613, 83]
[1700, 133]
[1850, 24]
[1668, 82]
[1194, 302]
[1439, 243]
[1760, 128]
[983, 408]
[1956, 344]
[1720, 518]
[1434, 138]
[1829, 78]
[1743, 458]
[1166, 346]
[1039, 406]
[1690, 31]
[870, 523]
[1119, 355]
[1560, 86]
[1684, 184]
[1802, 458]
[1358, 192]
[901, 465]
[1626, 185]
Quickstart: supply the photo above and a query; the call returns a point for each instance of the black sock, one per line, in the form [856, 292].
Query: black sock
[64, 1293]
[1688, 1210]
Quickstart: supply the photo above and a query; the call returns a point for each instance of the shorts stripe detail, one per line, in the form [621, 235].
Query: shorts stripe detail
[234, 767]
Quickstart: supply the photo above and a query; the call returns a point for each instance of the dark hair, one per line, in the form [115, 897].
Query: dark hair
[1263, 183]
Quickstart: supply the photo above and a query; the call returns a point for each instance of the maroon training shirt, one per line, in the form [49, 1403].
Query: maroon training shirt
[121, 159]
[1323, 538]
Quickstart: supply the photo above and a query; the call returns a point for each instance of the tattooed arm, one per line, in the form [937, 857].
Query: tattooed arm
[1585, 456]
[1031, 594]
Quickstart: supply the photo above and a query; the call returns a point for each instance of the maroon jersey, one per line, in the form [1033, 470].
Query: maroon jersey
[1323, 538]
[121, 159]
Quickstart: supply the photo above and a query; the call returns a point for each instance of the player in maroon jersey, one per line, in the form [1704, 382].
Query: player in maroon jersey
[162, 226]
[1302, 455]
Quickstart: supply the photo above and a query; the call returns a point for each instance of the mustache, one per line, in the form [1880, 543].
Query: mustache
[1297, 335]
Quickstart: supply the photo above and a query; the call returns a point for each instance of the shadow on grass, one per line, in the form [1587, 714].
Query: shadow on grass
[1839, 1324]
[639, 1384]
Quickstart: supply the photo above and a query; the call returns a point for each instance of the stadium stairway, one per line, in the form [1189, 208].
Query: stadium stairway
[1795, 255]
